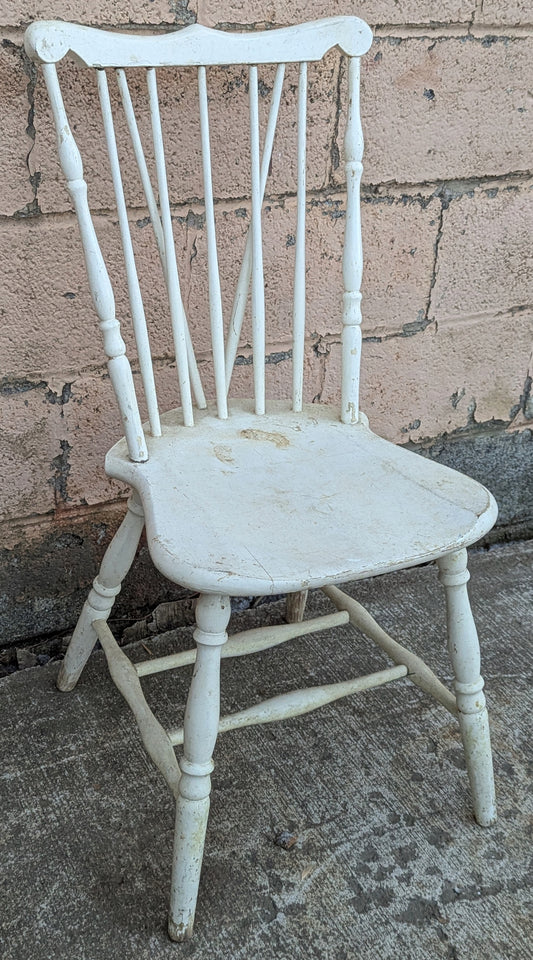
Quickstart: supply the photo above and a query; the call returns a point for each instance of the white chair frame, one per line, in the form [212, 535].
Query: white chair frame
[286, 432]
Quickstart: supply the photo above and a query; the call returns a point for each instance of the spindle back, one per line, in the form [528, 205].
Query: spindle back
[47, 43]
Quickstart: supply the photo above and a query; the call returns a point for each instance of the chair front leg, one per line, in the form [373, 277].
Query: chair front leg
[117, 561]
[200, 733]
[463, 648]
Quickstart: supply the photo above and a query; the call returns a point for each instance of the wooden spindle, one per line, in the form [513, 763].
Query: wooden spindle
[297, 702]
[215, 296]
[249, 641]
[151, 203]
[299, 263]
[177, 313]
[352, 263]
[258, 288]
[140, 160]
[136, 303]
[99, 282]
[243, 284]
[154, 737]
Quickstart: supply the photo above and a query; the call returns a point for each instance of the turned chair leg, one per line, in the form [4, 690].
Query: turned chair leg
[200, 733]
[295, 606]
[463, 648]
[118, 559]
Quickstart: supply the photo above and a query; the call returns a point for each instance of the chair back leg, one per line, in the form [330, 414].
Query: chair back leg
[463, 648]
[202, 716]
[295, 606]
[117, 561]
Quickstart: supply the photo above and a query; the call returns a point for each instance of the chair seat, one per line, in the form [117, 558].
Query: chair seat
[264, 505]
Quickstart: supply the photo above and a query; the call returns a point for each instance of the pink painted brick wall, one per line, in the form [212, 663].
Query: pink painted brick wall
[447, 220]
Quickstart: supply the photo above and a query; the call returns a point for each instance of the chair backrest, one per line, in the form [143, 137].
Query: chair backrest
[196, 46]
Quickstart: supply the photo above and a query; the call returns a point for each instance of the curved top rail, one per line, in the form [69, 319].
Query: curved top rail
[48, 41]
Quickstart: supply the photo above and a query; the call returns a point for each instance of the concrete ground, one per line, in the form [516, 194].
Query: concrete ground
[388, 862]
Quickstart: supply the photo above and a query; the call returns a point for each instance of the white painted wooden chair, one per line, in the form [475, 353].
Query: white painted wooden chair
[255, 498]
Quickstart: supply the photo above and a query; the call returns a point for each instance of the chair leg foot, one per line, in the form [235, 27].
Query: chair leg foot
[117, 561]
[200, 731]
[191, 825]
[475, 735]
[463, 648]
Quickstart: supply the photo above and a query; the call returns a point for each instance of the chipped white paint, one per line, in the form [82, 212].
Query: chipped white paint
[352, 260]
[232, 508]
[298, 326]
[463, 647]
[258, 286]
[299, 471]
[50, 41]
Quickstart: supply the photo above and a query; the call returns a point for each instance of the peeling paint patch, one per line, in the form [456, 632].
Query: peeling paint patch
[456, 397]
[182, 14]
[525, 403]
[415, 425]
[61, 467]
[278, 439]
[277, 356]
[30, 209]
[61, 399]
[194, 221]
[13, 385]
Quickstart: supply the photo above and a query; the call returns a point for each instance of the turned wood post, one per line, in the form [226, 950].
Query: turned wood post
[352, 261]
[200, 733]
[99, 282]
[118, 559]
[463, 648]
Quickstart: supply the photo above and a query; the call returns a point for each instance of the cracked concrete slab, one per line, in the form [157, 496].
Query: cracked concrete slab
[387, 861]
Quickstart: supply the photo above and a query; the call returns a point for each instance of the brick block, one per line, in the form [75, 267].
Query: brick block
[399, 237]
[442, 379]
[230, 136]
[16, 160]
[16, 13]
[494, 12]
[93, 424]
[283, 12]
[49, 323]
[444, 109]
[33, 448]
[485, 261]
